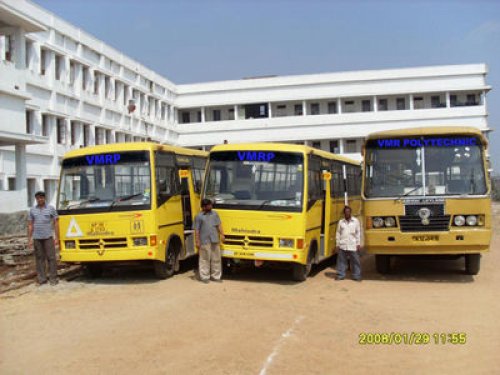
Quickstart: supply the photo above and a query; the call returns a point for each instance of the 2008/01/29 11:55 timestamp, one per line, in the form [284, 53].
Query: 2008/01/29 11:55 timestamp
[412, 338]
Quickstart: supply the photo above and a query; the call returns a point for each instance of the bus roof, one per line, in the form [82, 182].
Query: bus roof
[283, 147]
[133, 146]
[430, 130]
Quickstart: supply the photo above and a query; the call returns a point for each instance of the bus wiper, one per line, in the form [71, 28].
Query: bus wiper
[267, 201]
[121, 199]
[79, 204]
[408, 193]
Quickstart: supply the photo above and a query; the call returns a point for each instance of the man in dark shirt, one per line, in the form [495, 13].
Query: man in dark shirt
[208, 234]
[42, 223]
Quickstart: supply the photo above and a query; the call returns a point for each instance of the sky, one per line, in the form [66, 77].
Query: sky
[190, 41]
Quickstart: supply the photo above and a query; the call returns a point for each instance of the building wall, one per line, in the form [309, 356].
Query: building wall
[63, 89]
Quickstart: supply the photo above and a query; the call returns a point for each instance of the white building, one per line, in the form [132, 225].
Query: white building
[60, 88]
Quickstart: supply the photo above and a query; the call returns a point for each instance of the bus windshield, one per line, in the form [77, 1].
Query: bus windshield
[256, 180]
[104, 182]
[424, 166]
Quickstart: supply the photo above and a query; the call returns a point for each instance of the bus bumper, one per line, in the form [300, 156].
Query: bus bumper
[110, 255]
[268, 254]
[452, 242]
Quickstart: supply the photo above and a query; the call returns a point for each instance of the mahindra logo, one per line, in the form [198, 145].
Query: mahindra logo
[424, 213]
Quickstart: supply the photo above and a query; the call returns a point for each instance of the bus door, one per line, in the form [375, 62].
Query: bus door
[188, 210]
[326, 233]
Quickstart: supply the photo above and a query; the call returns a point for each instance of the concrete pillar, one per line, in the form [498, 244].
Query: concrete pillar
[269, 110]
[375, 104]
[483, 99]
[19, 48]
[236, 114]
[304, 108]
[448, 101]
[20, 150]
[202, 114]
[411, 102]
[339, 106]
[341, 146]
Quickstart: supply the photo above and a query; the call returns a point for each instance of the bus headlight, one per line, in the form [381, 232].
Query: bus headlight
[378, 222]
[459, 220]
[140, 241]
[390, 221]
[471, 220]
[285, 242]
[70, 245]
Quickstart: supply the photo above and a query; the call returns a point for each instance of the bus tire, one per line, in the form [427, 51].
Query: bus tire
[383, 263]
[93, 270]
[164, 270]
[301, 271]
[472, 263]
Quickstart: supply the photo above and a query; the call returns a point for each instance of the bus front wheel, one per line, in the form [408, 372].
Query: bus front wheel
[164, 270]
[301, 271]
[383, 263]
[472, 263]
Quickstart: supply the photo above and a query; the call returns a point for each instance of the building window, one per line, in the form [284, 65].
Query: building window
[297, 110]
[72, 72]
[349, 106]
[198, 115]
[232, 114]
[334, 146]
[471, 99]
[58, 66]
[314, 108]
[61, 131]
[418, 102]
[382, 105]
[96, 83]
[216, 114]
[45, 126]
[109, 135]
[29, 122]
[43, 61]
[29, 53]
[85, 77]
[86, 135]
[11, 183]
[436, 102]
[281, 110]
[47, 188]
[453, 101]
[366, 105]
[186, 118]
[350, 146]
[332, 107]
[256, 111]
[99, 136]
[9, 48]
[400, 104]
[107, 87]
[316, 144]
[73, 132]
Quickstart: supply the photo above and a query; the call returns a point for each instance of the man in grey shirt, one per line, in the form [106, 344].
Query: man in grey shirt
[42, 222]
[208, 234]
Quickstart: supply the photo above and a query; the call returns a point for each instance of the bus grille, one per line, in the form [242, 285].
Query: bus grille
[107, 243]
[436, 209]
[439, 223]
[246, 241]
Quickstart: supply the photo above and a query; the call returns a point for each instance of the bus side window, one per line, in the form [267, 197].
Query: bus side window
[167, 183]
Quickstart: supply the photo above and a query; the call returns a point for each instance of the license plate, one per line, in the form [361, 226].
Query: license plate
[425, 238]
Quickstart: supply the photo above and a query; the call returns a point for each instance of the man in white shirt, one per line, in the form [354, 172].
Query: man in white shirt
[348, 245]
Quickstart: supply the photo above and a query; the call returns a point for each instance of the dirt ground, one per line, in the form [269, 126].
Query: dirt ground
[256, 322]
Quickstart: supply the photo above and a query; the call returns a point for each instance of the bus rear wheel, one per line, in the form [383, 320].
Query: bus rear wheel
[383, 263]
[164, 270]
[472, 263]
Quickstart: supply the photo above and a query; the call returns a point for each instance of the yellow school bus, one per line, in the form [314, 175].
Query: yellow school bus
[427, 191]
[280, 202]
[129, 202]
